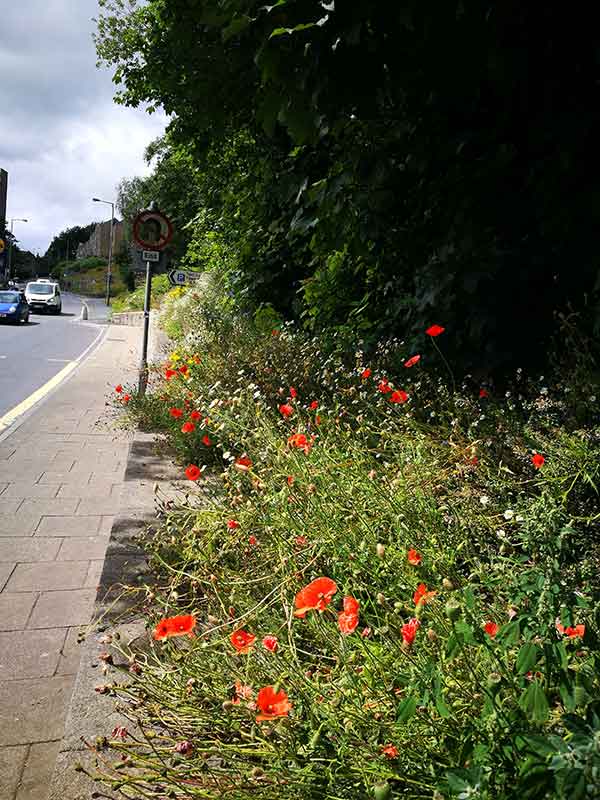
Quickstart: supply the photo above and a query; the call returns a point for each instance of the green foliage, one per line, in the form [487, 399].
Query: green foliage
[134, 301]
[64, 245]
[465, 710]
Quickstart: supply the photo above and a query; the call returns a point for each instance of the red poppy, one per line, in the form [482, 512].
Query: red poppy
[170, 373]
[197, 360]
[316, 596]
[126, 398]
[301, 541]
[412, 361]
[537, 460]
[193, 472]
[175, 626]
[242, 692]
[272, 704]
[390, 751]
[366, 373]
[242, 640]
[184, 369]
[286, 410]
[118, 388]
[434, 330]
[491, 628]
[409, 630]
[347, 623]
[206, 440]
[422, 596]
[414, 558]
[252, 540]
[243, 463]
[270, 642]
[290, 480]
[274, 332]
[300, 441]
[317, 420]
[571, 632]
[351, 605]
[196, 416]
[176, 412]
[293, 392]
[384, 386]
[398, 396]
[314, 405]
[188, 427]
[232, 524]
[483, 393]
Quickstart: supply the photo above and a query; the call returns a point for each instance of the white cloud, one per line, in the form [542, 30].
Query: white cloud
[62, 139]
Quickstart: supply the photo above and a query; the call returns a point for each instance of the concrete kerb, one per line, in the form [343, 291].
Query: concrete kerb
[91, 712]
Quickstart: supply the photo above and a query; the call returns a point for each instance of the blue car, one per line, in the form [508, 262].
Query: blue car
[13, 307]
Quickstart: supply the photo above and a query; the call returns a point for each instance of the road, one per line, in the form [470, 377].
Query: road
[30, 355]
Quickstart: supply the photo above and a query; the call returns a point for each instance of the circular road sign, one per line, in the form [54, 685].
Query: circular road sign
[1, 245]
[152, 230]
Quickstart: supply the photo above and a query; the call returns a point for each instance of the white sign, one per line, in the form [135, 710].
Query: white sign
[181, 277]
[150, 255]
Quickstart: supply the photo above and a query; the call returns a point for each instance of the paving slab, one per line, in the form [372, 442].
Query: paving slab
[15, 608]
[97, 489]
[13, 548]
[63, 608]
[97, 506]
[19, 525]
[70, 653]
[6, 570]
[34, 709]
[68, 526]
[48, 575]
[12, 760]
[72, 478]
[30, 654]
[9, 505]
[37, 772]
[29, 489]
[82, 548]
[53, 506]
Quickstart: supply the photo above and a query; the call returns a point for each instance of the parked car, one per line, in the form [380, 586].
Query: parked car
[44, 295]
[13, 307]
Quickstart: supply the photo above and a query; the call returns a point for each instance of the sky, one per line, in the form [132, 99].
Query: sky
[62, 139]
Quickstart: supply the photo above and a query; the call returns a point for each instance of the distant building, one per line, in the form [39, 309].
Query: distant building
[98, 243]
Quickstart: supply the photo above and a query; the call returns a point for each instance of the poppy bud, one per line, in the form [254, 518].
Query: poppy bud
[380, 599]
[212, 620]
[432, 635]
[380, 550]
[493, 682]
[382, 791]
[227, 705]
[453, 610]
[311, 488]
[371, 474]
[213, 579]
[257, 772]
[447, 585]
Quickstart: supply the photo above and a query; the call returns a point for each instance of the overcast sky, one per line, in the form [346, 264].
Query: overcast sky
[62, 139]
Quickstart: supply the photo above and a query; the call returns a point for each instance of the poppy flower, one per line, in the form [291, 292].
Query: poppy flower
[290, 480]
[232, 524]
[242, 640]
[483, 393]
[274, 332]
[300, 441]
[398, 396]
[351, 605]
[126, 398]
[243, 463]
[272, 704]
[314, 405]
[571, 632]
[270, 642]
[196, 415]
[434, 330]
[409, 630]
[414, 558]
[293, 392]
[537, 460]
[175, 626]
[286, 410]
[366, 373]
[193, 472]
[347, 623]
[242, 692]
[206, 440]
[422, 596]
[384, 386]
[412, 361]
[252, 540]
[390, 751]
[118, 388]
[300, 541]
[491, 628]
[183, 369]
[316, 596]
[176, 412]
[170, 373]
[188, 427]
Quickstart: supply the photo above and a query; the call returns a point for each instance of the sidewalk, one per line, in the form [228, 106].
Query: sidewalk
[61, 474]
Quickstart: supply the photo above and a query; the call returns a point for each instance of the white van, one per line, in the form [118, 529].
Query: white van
[44, 295]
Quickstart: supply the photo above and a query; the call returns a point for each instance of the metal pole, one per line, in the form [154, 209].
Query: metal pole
[110, 253]
[144, 363]
[10, 241]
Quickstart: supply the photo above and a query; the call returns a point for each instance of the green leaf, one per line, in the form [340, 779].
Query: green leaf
[469, 598]
[534, 703]
[441, 706]
[528, 657]
[406, 709]
[510, 633]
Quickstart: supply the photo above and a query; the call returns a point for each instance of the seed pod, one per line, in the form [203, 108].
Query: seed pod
[447, 585]
[380, 599]
[432, 635]
[494, 679]
[380, 550]
[227, 705]
[382, 791]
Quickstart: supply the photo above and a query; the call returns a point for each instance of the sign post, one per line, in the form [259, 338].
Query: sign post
[152, 232]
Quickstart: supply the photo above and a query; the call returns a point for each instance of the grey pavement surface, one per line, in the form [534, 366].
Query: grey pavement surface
[61, 474]
[32, 354]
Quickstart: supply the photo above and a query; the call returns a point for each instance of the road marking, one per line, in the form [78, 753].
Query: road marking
[30, 401]
[59, 360]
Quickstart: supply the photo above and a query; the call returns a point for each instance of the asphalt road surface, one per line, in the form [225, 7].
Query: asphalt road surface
[30, 355]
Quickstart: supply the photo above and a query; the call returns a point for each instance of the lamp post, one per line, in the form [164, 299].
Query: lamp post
[12, 222]
[110, 245]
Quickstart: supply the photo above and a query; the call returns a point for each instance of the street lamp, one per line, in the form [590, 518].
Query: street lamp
[12, 222]
[110, 245]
